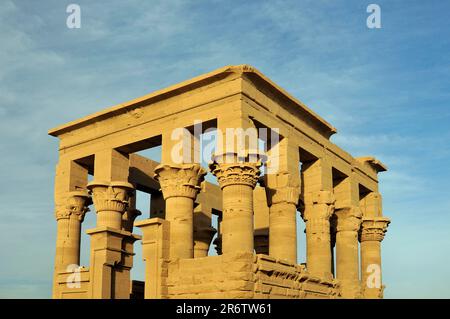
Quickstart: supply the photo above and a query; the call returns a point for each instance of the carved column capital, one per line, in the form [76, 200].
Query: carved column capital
[236, 173]
[347, 219]
[373, 229]
[281, 188]
[129, 217]
[77, 203]
[110, 196]
[322, 206]
[179, 180]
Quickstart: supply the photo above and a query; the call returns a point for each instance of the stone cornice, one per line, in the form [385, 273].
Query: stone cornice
[180, 180]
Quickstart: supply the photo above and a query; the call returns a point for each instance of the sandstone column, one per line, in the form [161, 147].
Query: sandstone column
[318, 208]
[131, 214]
[372, 233]
[282, 200]
[155, 253]
[71, 201]
[236, 166]
[373, 229]
[69, 221]
[318, 242]
[123, 273]
[282, 183]
[110, 262]
[111, 202]
[180, 185]
[261, 220]
[348, 221]
[237, 181]
[109, 252]
[203, 231]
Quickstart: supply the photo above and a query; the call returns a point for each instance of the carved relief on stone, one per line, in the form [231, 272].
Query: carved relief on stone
[136, 113]
[110, 196]
[347, 219]
[180, 180]
[77, 203]
[128, 218]
[373, 229]
[283, 189]
[321, 210]
[236, 173]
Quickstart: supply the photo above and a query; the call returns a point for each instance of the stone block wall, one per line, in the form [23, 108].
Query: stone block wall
[243, 275]
[70, 285]
[281, 279]
[225, 276]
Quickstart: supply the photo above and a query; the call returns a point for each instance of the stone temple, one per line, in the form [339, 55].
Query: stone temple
[257, 190]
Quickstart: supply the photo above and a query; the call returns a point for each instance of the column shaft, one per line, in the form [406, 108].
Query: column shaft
[283, 231]
[347, 259]
[180, 185]
[318, 252]
[347, 256]
[372, 233]
[179, 211]
[155, 252]
[237, 223]
[68, 235]
[282, 182]
[203, 231]
[318, 200]
[70, 207]
[111, 254]
[371, 269]
[237, 181]
[318, 243]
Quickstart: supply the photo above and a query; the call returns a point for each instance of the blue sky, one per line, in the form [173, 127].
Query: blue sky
[386, 91]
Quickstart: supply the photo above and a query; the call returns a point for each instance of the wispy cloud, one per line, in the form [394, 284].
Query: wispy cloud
[386, 91]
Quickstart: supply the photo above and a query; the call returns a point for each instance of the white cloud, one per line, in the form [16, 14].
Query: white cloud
[50, 74]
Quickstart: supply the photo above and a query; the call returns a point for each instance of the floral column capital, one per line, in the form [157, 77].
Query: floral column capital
[374, 229]
[347, 219]
[77, 203]
[182, 180]
[233, 170]
[110, 196]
